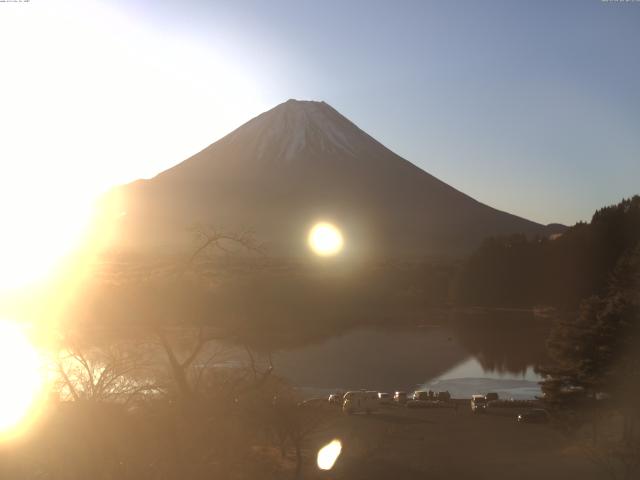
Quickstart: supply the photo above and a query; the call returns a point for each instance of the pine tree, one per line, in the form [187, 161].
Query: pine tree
[596, 352]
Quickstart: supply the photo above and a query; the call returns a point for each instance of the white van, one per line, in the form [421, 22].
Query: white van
[359, 401]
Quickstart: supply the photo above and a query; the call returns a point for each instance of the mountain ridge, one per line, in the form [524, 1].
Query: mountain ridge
[303, 161]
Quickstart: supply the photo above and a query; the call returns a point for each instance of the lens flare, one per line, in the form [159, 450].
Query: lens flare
[325, 239]
[21, 378]
[328, 454]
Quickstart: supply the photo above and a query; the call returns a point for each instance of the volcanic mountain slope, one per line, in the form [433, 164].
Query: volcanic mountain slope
[299, 163]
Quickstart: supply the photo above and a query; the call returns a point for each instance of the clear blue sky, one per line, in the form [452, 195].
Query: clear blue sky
[532, 107]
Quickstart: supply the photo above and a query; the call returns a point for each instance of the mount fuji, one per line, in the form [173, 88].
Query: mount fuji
[303, 162]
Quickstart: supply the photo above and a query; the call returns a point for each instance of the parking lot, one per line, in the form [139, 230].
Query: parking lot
[398, 442]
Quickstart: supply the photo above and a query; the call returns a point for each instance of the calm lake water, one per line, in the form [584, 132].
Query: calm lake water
[466, 358]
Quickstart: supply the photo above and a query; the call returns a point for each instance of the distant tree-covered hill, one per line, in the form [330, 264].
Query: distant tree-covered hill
[560, 271]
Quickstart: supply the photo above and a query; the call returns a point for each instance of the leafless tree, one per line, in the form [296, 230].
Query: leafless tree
[213, 240]
[117, 372]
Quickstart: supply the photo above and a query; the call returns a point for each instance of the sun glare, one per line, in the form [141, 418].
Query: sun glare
[21, 377]
[328, 455]
[325, 239]
[110, 111]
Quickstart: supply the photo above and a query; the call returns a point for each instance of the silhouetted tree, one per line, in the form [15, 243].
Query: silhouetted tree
[116, 372]
[295, 422]
[596, 371]
[562, 271]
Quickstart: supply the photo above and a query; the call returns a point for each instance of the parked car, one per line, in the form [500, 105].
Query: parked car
[359, 401]
[492, 397]
[373, 396]
[535, 415]
[335, 399]
[424, 404]
[420, 395]
[443, 396]
[400, 397]
[478, 404]
[420, 399]
[384, 398]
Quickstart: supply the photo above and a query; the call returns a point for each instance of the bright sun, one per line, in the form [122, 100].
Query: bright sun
[21, 377]
[325, 239]
[94, 122]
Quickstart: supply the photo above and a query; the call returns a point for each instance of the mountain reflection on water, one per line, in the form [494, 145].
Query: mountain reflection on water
[470, 354]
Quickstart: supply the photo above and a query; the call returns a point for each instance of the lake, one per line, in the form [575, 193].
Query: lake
[472, 355]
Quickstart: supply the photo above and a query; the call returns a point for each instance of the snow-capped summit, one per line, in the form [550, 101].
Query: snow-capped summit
[298, 125]
[299, 163]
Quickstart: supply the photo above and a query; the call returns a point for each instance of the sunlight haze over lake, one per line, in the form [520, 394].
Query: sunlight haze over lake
[331, 239]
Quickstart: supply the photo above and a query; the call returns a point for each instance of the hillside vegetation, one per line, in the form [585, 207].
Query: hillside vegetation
[559, 271]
